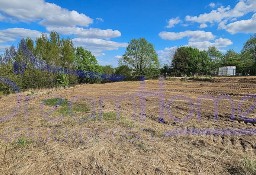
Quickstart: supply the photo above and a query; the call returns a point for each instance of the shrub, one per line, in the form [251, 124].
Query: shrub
[63, 80]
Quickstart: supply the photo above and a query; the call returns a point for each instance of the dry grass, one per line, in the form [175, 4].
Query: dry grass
[104, 129]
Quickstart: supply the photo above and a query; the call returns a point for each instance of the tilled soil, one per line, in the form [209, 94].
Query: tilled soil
[150, 127]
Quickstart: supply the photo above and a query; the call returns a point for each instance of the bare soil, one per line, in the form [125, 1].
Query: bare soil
[154, 127]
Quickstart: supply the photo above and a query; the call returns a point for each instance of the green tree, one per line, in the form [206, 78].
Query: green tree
[108, 70]
[190, 61]
[249, 54]
[67, 54]
[41, 48]
[125, 71]
[165, 70]
[54, 49]
[216, 57]
[231, 58]
[87, 62]
[141, 56]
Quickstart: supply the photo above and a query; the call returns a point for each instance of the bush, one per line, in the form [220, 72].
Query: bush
[63, 80]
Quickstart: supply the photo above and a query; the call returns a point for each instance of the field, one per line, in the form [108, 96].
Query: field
[173, 126]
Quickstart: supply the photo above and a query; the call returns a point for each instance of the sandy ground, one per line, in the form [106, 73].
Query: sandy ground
[152, 127]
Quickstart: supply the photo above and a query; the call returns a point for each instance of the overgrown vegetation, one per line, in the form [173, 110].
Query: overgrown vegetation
[66, 107]
[54, 62]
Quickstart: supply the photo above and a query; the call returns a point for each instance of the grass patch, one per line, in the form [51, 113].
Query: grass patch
[109, 116]
[66, 107]
[81, 107]
[249, 166]
[55, 102]
[106, 116]
[23, 142]
[126, 123]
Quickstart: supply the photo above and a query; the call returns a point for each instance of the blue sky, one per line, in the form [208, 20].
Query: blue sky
[106, 27]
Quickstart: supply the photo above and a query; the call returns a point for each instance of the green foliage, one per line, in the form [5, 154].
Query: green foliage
[63, 80]
[55, 102]
[126, 123]
[86, 61]
[125, 71]
[141, 57]
[23, 142]
[190, 61]
[66, 107]
[249, 56]
[109, 70]
[81, 107]
[249, 166]
[165, 70]
[109, 116]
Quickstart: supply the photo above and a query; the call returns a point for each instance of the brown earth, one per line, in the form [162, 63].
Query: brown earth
[155, 127]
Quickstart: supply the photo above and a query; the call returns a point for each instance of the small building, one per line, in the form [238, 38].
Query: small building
[227, 71]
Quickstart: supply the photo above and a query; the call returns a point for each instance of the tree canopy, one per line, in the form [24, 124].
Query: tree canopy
[189, 61]
[141, 57]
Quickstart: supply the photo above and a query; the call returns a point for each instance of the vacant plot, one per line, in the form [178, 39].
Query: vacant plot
[174, 126]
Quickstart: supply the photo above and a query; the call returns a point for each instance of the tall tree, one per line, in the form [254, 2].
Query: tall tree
[190, 61]
[41, 48]
[249, 54]
[54, 49]
[141, 56]
[216, 57]
[88, 66]
[231, 58]
[67, 53]
[86, 61]
[124, 70]
[108, 69]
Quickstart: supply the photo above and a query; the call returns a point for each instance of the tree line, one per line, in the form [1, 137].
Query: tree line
[191, 61]
[28, 65]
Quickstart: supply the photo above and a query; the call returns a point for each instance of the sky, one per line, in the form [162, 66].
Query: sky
[106, 27]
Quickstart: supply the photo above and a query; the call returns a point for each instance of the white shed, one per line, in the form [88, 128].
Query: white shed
[227, 71]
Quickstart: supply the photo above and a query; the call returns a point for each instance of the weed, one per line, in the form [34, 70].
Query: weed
[55, 102]
[109, 116]
[65, 107]
[81, 107]
[142, 146]
[23, 142]
[249, 166]
[126, 123]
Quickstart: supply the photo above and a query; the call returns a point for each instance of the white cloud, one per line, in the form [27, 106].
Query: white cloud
[88, 33]
[12, 34]
[172, 22]
[204, 45]
[202, 26]
[242, 26]
[118, 56]
[166, 55]
[213, 16]
[56, 18]
[192, 35]
[48, 14]
[212, 5]
[97, 46]
[100, 19]
[242, 8]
